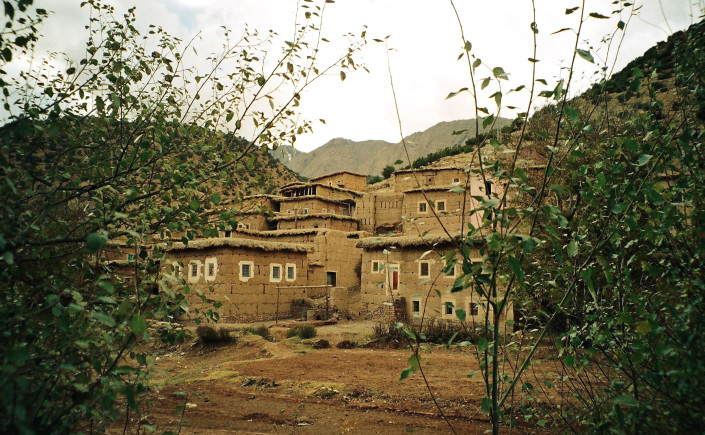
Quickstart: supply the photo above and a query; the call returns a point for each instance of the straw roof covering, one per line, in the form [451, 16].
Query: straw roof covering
[430, 189]
[428, 168]
[302, 184]
[322, 198]
[277, 233]
[405, 241]
[234, 242]
[291, 217]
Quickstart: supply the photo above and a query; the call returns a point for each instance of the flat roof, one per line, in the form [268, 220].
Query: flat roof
[291, 217]
[235, 242]
[336, 173]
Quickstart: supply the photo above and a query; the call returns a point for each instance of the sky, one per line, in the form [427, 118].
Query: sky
[422, 48]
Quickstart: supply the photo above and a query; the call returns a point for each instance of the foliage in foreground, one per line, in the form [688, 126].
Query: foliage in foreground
[103, 157]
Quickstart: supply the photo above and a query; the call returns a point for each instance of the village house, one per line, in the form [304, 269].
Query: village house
[362, 250]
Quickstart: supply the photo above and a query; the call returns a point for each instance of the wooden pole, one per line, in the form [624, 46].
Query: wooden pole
[276, 316]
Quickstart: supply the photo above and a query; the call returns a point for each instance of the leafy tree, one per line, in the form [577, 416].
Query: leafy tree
[130, 144]
[387, 171]
[372, 179]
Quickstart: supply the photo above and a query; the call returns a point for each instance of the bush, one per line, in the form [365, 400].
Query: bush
[435, 331]
[346, 344]
[262, 331]
[209, 335]
[302, 331]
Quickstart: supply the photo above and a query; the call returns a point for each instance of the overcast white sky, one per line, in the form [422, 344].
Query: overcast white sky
[427, 42]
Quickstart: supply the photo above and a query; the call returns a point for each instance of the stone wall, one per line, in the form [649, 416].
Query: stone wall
[319, 221]
[304, 205]
[376, 210]
[344, 180]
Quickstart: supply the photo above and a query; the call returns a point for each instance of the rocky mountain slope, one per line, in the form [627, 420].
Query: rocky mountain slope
[371, 156]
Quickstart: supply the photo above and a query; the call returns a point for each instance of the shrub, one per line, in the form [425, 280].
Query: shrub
[262, 331]
[302, 331]
[346, 344]
[209, 335]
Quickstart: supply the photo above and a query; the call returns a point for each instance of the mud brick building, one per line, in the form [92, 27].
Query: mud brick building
[362, 248]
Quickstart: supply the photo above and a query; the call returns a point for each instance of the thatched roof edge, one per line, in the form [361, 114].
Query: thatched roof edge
[234, 242]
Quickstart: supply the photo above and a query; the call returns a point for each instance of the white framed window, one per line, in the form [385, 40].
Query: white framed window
[441, 205]
[275, 272]
[290, 272]
[247, 270]
[376, 266]
[416, 305]
[194, 271]
[473, 309]
[422, 207]
[456, 180]
[424, 269]
[211, 268]
[323, 210]
[305, 211]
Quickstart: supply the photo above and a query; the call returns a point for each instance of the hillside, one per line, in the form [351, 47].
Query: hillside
[371, 156]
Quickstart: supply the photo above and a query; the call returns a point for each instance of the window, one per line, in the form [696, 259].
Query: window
[456, 180]
[305, 211]
[332, 278]
[416, 306]
[441, 205]
[424, 269]
[247, 270]
[194, 271]
[211, 268]
[176, 268]
[228, 233]
[375, 266]
[488, 188]
[323, 210]
[474, 309]
[423, 207]
[130, 257]
[275, 272]
[448, 309]
[290, 272]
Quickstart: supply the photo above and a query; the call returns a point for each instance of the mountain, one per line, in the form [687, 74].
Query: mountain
[371, 156]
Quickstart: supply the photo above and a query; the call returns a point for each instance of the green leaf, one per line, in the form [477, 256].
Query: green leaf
[644, 159]
[635, 85]
[486, 405]
[569, 361]
[194, 204]
[572, 114]
[585, 54]
[499, 73]
[626, 401]
[599, 16]
[405, 373]
[487, 121]
[95, 241]
[137, 324]
[103, 318]
[342, 75]
[460, 314]
[516, 269]
[473, 373]
[571, 10]
[215, 198]
[572, 248]
[617, 208]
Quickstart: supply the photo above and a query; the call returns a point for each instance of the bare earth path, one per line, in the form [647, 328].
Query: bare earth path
[286, 386]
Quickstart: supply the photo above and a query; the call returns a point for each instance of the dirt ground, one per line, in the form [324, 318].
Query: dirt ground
[287, 386]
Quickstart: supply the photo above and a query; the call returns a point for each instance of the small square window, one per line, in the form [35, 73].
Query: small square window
[423, 207]
[194, 270]
[290, 272]
[488, 188]
[449, 308]
[375, 267]
[276, 271]
[416, 306]
[441, 206]
[456, 180]
[130, 257]
[211, 269]
[424, 269]
[245, 271]
[474, 309]
[305, 211]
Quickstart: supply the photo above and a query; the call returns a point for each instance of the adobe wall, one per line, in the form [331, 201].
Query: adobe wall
[336, 251]
[344, 180]
[318, 222]
[264, 201]
[450, 217]
[312, 205]
[376, 289]
[405, 180]
[379, 209]
[243, 299]
[254, 222]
